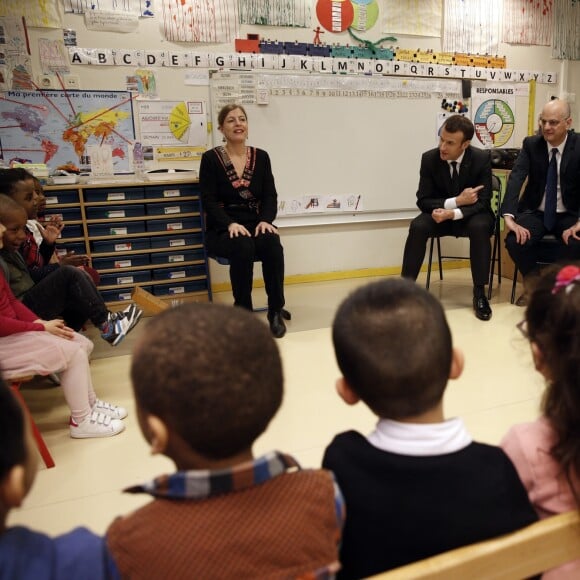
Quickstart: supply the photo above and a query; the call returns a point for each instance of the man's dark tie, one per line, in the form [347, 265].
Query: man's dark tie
[551, 192]
[454, 178]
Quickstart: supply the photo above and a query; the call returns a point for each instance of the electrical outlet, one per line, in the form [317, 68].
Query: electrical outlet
[72, 82]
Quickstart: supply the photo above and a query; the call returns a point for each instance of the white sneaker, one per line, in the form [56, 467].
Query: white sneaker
[96, 425]
[113, 411]
[132, 313]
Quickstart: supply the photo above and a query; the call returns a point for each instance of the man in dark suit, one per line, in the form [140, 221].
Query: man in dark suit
[550, 202]
[454, 197]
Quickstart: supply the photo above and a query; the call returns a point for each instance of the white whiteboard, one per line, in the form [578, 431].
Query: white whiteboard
[343, 145]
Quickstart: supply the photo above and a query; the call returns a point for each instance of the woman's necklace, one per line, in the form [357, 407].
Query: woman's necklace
[238, 160]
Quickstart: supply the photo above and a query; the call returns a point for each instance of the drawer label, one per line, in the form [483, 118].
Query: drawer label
[177, 290]
[118, 231]
[51, 200]
[180, 242]
[125, 280]
[173, 209]
[122, 263]
[175, 226]
[177, 258]
[180, 274]
[116, 213]
[122, 247]
[124, 296]
[118, 196]
[171, 193]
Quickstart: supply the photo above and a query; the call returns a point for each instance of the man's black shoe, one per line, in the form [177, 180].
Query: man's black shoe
[277, 326]
[482, 308]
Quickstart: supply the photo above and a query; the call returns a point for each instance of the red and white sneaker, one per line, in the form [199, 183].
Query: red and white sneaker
[113, 411]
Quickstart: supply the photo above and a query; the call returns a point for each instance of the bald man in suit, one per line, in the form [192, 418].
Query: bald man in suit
[454, 198]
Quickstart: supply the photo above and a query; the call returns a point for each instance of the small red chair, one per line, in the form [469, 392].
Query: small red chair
[15, 385]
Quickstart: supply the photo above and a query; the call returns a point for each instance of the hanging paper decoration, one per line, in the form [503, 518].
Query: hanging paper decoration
[200, 20]
[335, 15]
[143, 8]
[528, 21]
[366, 14]
[38, 13]
[565, 43]
[472, 26]
[275, 12]
[416, 17]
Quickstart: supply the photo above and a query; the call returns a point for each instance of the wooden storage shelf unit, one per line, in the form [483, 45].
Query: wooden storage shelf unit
[137, 234]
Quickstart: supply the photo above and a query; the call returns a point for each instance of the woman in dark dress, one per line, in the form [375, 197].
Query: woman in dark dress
[240, 201]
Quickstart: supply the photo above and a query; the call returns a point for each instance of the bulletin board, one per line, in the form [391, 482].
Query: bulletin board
[345, 144]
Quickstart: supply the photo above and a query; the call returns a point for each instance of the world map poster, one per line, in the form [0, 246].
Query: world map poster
[56, 127]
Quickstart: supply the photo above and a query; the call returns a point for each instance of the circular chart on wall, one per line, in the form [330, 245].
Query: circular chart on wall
[335, 15]
[494, 123]
[366, 14]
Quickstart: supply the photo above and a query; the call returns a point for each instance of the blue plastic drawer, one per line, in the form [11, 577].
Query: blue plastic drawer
[172, 225]
[176, 257]
[71, 231]
[176, 273]
[120, 246]
[169, 209]
[125, 278]
[119, 295]
[175, 288]
[121, 261]
[116, 229]
[65, 214]
[64, 196]
[77, 247]
[171, 190]
[114, 193]
[176, 241]
[115, 211]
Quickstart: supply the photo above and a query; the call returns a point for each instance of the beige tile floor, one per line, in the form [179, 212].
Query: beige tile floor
[498, 388]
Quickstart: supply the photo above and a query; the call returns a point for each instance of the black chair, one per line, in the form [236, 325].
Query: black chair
[496, 199]
[547, 254]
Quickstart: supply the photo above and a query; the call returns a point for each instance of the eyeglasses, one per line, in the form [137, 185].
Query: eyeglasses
[552, 122]
[522, 326]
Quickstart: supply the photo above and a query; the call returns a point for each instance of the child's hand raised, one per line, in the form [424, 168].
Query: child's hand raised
[51, 231]
[73, 259]
[57, 327]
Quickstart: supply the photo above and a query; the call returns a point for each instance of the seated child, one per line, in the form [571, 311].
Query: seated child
[38, 250]
[417, 485]
[66, 292]
[29, 555]
[546, 452]
[207, 381]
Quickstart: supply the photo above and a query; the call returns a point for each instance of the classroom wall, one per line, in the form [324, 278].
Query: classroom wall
[317, 248]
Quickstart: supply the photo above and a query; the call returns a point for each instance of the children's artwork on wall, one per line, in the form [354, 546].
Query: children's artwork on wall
[526, 22]
[472, 26]
[416, 17]
[143, 8]
[200, 20]
[366, 14]
[40, 14]
[276, 12]
[565, 45]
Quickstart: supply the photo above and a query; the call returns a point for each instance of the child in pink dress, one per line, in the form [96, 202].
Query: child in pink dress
[31, 346]
[546, 452]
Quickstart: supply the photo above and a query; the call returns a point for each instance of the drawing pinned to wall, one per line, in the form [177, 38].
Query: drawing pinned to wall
[53, 57]
[143, 83]
[472, 26]
[275, 13]
[335, 15]
[143, 8]
[366, 14]
[565, 45]
[200, 20]
[40, 14]
[56, 127]
[416, 17]
[15, 53]
[526, 22]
